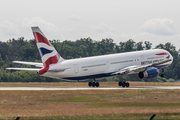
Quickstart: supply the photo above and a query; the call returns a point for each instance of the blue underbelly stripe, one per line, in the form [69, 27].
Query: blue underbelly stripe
[90, 76]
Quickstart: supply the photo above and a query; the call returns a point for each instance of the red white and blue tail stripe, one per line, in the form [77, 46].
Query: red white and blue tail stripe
[48, 53]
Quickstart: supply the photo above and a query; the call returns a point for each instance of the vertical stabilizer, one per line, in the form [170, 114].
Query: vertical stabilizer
[48, 53]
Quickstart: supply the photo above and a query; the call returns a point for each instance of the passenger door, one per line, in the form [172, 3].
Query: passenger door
[76, 69]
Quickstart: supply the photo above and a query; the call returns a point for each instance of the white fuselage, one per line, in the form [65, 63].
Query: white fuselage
[104, 65]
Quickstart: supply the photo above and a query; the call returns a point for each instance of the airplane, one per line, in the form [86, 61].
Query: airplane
[145, 63]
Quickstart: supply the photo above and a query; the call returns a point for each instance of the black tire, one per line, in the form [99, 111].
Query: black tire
[120, 83]
[90, 84]
[127, 84]
[123, 84]
[162, 75]
[97, 84]
[93, 84]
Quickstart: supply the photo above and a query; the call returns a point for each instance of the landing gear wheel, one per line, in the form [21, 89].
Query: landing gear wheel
[120, 83]
[97, 84]
[90, 84]
[162, 75]
[127, 84]
[123, 84]
[93, 84]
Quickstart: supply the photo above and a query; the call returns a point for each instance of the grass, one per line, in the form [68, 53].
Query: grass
[25, 97]
[86, 96]
[175, 116]
[4, 101]
[90, 104]
[77, 98]
[137, 104]
[70, 100]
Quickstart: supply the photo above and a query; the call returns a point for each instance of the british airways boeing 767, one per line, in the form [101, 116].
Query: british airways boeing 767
[146, 63]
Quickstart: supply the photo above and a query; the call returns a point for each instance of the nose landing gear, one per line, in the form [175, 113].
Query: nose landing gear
[162, 75]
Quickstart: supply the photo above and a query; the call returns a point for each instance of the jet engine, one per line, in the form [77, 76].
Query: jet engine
[149, 73]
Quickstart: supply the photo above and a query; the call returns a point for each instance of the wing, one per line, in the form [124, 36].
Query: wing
[27, 63]
[26, 69]
[135, 69]
[30, 63]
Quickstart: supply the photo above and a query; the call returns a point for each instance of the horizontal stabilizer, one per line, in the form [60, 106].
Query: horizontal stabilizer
[29, 63]
[26, 69]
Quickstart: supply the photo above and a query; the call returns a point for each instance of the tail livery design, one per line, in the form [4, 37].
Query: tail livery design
[48, 53]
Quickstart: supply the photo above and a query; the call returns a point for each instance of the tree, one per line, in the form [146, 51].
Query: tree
[148, 45]
[1, 61]
[139, 46]
[127, 46]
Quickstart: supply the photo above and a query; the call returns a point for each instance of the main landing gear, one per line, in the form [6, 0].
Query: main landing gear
[162, 75]
[93, 84]
[123, 84]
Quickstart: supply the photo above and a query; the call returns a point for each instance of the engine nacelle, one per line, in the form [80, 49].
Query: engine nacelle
[149, 73]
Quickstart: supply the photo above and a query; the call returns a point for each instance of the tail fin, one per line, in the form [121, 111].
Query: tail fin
[48, 53]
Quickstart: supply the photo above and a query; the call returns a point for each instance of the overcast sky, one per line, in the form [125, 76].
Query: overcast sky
[157, 21]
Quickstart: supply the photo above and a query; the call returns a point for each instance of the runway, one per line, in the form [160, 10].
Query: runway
[84, 88]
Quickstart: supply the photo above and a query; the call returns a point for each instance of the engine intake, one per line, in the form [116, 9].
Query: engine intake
[149, 73]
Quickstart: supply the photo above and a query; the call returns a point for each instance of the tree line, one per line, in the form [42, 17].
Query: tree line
[26, 50]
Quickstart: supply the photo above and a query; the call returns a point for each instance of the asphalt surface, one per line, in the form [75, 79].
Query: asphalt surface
[84, 88]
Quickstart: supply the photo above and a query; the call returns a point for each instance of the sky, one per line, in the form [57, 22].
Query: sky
[157, 21]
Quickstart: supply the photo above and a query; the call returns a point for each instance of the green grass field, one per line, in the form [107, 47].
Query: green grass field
[90, 104]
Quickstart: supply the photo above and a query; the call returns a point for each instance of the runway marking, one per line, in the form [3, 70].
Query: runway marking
[84, 88]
